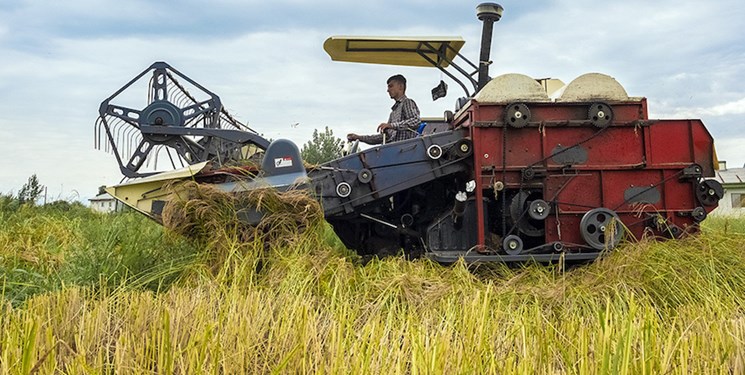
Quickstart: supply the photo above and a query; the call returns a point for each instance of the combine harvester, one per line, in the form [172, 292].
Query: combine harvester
[522, 169]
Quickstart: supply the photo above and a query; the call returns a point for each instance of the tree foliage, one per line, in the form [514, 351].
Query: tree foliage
[31, 191]
[322, 148]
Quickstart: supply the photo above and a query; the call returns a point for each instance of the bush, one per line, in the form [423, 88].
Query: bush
[323, 148]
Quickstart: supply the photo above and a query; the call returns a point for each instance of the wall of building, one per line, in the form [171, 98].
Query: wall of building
[105, 203]
[733, 202]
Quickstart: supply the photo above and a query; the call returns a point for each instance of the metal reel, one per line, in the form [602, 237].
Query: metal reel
[600, 115]
[512, 244]
[601, 228]
[517, 115]
[183, 123]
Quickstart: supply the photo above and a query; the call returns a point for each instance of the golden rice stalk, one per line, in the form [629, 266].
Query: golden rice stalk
[208, 214]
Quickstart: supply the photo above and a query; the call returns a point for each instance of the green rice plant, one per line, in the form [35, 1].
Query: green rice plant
[724, 224]
[45, 248]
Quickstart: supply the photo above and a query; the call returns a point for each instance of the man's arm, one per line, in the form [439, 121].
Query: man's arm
[374, 139]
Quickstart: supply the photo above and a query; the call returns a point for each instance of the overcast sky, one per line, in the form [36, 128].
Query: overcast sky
[60, 59]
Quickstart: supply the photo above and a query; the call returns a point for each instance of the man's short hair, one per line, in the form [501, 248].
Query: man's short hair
[398, 78]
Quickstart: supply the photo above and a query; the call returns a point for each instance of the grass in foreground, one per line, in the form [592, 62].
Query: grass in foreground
[307, 307]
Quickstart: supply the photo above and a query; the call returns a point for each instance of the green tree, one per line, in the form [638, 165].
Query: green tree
[322, 148]
[31, 191]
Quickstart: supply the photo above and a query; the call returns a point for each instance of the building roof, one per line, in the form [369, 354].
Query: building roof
[101, 197]
[731, 176]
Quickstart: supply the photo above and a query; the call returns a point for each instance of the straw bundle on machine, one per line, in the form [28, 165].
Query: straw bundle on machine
[206, 213]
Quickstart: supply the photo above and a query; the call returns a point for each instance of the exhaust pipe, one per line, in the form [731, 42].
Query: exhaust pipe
[487, 13]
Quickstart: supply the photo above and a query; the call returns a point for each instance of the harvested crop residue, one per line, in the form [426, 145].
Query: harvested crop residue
[208, 214]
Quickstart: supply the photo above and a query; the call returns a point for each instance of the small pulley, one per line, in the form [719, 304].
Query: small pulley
[528, 174]
[364, 175]
[517, 115]
[601, 228]
[709, 192]
[343, 189]
[698, 214]
[539, 209]
[434, 152]
[600, 115]
[512, 244]
[462, 148]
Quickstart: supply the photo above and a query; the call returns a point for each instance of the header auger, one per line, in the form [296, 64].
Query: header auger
[521, 169]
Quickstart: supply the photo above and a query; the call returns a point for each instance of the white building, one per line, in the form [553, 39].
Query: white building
[733, 181]
[105, 203]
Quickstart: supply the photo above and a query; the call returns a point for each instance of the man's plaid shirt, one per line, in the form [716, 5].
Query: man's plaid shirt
[404, 120]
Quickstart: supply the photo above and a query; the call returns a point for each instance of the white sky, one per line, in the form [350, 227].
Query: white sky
[60, 59]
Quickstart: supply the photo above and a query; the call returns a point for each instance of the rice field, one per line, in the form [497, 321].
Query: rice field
[88, 293]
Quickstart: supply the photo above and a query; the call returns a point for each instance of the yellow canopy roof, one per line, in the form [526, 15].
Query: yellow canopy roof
[404, 51]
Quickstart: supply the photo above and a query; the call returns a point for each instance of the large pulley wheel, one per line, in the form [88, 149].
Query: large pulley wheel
[601, 228]
[709, 192]
[517, 115]
[600, 115]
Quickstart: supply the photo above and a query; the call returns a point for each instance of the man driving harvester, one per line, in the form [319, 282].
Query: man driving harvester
[403, 121]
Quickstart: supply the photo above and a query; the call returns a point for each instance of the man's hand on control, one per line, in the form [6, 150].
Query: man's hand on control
[384, 126]
[352, 137]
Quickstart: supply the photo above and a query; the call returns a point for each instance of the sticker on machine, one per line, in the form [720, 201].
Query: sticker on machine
[283, 162]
